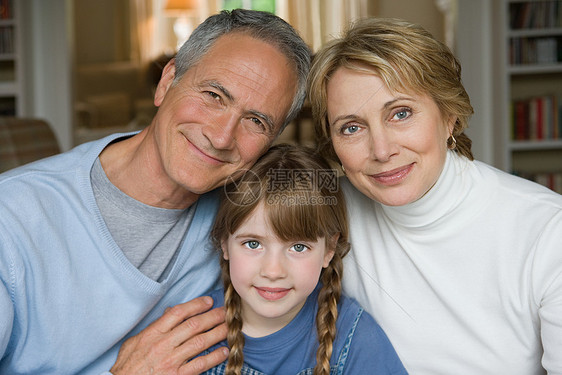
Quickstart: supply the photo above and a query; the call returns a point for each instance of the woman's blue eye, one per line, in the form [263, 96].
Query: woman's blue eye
[350, 129]
[402, 114]
[252, 244]
[299, 248]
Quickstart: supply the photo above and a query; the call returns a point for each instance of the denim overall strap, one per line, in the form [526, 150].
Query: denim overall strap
[220, 370]
[340, 365]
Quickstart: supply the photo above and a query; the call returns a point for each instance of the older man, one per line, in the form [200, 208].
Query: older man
[97, 243]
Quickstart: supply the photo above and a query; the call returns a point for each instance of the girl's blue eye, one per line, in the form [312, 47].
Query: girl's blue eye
[299, 248]
[252, 244]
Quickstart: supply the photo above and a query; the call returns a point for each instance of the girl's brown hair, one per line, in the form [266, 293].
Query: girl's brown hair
[303, 202]
[406, 57]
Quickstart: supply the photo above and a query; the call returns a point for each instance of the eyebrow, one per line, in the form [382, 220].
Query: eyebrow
[222, 89]
[265, 118]
[268, 121]
[250, 235]
[344, 117]
[388, 104]
[385, 106]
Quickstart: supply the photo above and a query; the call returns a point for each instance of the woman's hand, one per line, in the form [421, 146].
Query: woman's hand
[170, 343]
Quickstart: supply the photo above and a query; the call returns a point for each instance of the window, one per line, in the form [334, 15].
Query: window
[264, 5]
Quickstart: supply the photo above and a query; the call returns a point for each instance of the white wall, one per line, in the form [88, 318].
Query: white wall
[423, 12]
[48, 64]
[474, 50]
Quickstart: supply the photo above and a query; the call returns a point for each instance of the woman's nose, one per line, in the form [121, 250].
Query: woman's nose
[383, 145]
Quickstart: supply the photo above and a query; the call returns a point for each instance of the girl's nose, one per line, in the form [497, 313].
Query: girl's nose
[273, 266]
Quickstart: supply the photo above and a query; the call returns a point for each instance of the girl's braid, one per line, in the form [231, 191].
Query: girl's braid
[327, 315]
[234, 322]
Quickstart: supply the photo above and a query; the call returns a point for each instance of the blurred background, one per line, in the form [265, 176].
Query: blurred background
[89, 68]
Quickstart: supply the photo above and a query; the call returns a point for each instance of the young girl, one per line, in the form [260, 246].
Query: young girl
[282, 231]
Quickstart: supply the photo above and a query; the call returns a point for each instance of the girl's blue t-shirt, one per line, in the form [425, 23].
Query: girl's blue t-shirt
[360, 347]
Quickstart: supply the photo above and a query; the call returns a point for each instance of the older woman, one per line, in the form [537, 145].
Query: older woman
[460, 263]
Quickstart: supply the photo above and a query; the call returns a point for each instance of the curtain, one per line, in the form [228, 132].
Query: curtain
[143, 31]
[316, 20]
[319, 21]
[449, 9]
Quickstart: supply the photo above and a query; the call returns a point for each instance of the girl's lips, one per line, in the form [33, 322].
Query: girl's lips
[394, 176]
[272, 294]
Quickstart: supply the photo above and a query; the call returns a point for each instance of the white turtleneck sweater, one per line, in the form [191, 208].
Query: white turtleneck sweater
[466, 280]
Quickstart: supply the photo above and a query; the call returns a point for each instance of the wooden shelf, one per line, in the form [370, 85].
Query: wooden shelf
[532, 82]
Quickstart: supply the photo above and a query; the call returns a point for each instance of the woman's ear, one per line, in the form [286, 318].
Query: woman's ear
[330, 249]
[451, 124]
[224, 250]
[168, 75]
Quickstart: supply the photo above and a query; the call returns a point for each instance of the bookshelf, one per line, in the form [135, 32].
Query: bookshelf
[533, 69]
[11, 76]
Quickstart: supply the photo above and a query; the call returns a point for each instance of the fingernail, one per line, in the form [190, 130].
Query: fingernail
[208, 301]
[225, 352]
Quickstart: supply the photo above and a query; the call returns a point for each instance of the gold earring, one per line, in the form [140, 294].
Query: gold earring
[343, 169]
[451, 142]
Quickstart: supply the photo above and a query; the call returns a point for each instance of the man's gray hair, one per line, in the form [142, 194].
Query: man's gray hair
[260, 25]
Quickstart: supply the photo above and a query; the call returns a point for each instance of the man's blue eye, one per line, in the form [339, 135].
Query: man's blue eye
[259, 123]
[213, 95]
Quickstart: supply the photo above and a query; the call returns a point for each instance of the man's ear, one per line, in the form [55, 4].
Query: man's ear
[168, 75]
[224, 250]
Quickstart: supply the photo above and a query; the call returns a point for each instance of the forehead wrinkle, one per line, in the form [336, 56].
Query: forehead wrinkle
[369, 98]
[270, 123]
[354, 115]
[251, 82]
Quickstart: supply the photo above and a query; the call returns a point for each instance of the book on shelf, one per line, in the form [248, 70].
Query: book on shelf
[535, 50]
[535, 14]
[7, 106]
[6, 39]
[537, 118]
[6, 9]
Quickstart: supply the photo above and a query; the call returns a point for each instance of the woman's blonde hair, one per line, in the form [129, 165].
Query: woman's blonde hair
[406, 57]
[301, 196]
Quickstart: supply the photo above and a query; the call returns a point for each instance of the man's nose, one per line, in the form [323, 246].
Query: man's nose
[222, 131]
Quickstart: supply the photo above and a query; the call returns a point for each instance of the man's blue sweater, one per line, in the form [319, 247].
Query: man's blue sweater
[68, 295]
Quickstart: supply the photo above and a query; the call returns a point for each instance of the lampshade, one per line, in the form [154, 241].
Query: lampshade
[180, 5]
